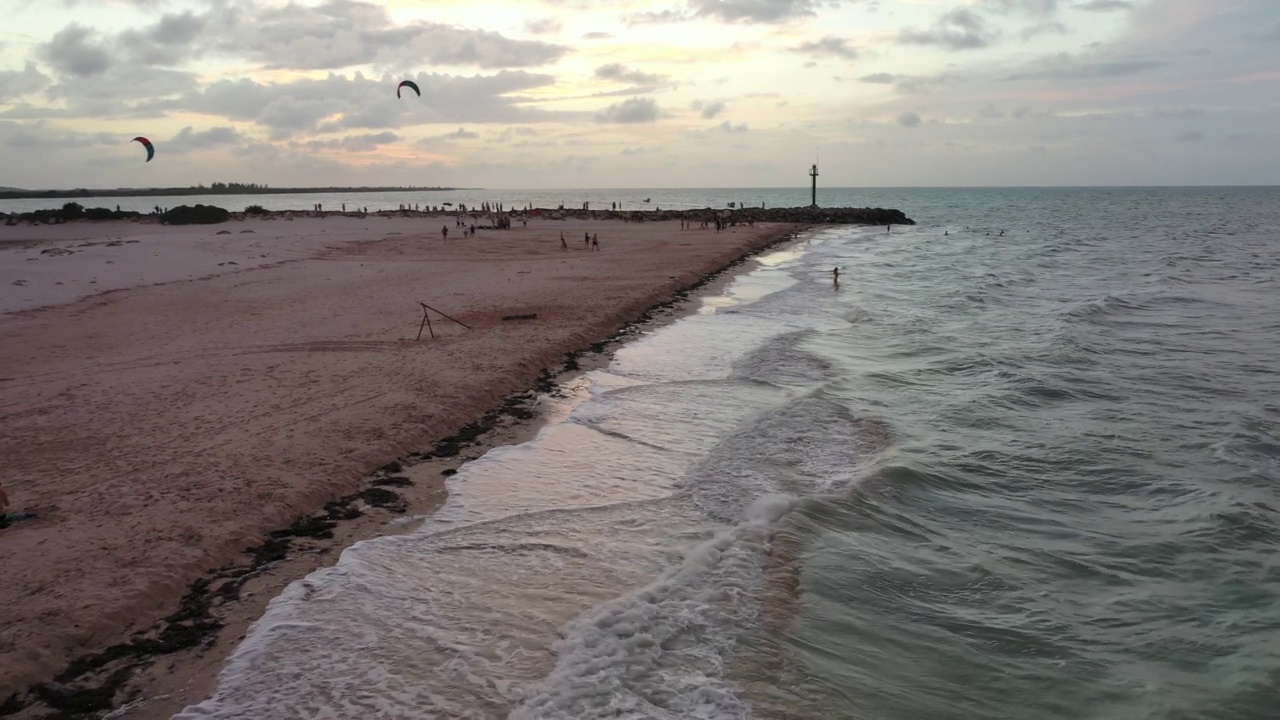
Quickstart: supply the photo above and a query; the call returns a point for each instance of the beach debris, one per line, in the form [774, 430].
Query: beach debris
[526, 316]
[385, 499]
[426, 320]
[151, 149]
[408, 84]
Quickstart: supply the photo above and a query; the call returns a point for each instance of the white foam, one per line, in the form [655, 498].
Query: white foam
[664, 651]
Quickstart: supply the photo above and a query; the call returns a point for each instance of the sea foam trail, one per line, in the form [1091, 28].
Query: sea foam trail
[663, 651]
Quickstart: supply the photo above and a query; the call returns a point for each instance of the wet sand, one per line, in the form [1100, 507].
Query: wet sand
[161, 430]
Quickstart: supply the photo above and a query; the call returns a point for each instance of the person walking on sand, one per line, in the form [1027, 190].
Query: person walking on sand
[595, 244]
[444, 231]
[586, 240]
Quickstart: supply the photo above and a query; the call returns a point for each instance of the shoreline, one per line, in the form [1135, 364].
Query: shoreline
[172, 663]
[190, 675]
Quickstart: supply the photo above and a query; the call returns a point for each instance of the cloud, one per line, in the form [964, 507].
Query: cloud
[657, 18]
[190, 139]
[1180, 113]
[838, 47]
[171, 40]
[337, 103]
[958, 29]
[633, 151]
[617, 71]
[754, 11]
[72, 51]
[1045, 28]
[633, 110]
[1192, 136]
[1104, 5]
[1039, 8]
[709, 110]
[909, 119]
[597, 36]
[43, 135]
[990, 112]
[346, 33]
[17, 83]
[922, 85]
[350, 143]
[120, 92]
[1271, 36]
[912, 84]
[1065, 67]
[510, 133]
[460, 134]
[543, 26]
[729, 127]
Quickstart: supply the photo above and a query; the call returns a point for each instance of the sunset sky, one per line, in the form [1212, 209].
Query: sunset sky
[639, 93]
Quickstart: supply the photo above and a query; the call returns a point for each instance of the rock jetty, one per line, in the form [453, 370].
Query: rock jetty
[804, 215]
[208, 214]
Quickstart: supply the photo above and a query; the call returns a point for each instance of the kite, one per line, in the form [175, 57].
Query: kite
[409, 84]
[151, 149]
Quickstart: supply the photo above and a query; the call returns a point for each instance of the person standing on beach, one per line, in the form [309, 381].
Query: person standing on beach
[586, 240]
[835, 277]
[444, 230]
[595, 244]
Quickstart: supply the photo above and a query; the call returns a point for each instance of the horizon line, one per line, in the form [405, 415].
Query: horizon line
[436, 188]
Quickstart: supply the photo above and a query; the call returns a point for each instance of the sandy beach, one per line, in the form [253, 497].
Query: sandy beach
[171, 395]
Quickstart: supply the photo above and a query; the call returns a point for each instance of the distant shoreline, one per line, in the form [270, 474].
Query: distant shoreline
[164, 192]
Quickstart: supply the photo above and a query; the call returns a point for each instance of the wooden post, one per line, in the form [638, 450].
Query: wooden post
[426, 321]
[813, 173]
[446, 316]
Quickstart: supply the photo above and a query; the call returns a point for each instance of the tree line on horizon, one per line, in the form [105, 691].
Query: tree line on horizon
[217, 188]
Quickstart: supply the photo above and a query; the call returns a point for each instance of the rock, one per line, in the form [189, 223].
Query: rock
[195, 215]
[801, 215]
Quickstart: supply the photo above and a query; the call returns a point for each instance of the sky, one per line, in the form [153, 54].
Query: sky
[640, 93]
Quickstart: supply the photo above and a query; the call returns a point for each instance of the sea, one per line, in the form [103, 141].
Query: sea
[1022, 462]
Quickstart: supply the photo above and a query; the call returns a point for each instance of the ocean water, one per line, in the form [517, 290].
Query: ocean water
[944, 199]
[599, 199]
[1023, 475]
